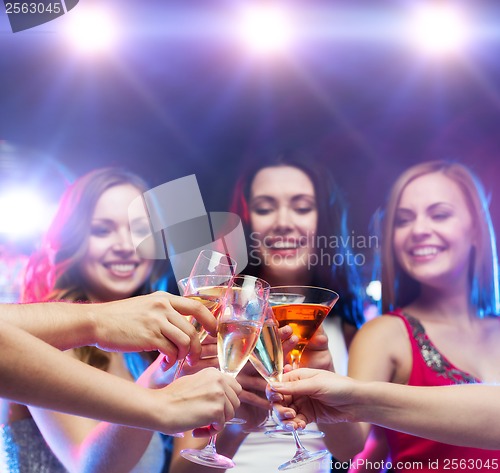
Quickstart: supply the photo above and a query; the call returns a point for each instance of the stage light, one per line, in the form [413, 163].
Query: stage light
[438, 29]
[91, 30]
[24, 213]
[265, 29]
[374, 290]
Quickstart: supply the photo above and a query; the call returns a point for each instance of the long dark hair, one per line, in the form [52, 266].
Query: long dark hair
[332, 221]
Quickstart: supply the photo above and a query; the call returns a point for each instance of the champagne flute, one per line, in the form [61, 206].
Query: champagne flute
[267, 359]
[210, 291]
[239, 327]
[214, 263]
[210, 274]
[303, 308]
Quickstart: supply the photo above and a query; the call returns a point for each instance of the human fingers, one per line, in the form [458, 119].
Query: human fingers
[157, 320]
[229, 398]
[285, 333]
[288, 413]
[319, 341]
[208, 355]
[182, 334]
[196, 309]
[254, 399]
[200, 364]
[133, 324]
[289, 344]
[252, 381]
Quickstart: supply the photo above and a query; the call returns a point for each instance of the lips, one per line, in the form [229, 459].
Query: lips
[285, 243]
[424, 251]
[121, 269]
[282, 245]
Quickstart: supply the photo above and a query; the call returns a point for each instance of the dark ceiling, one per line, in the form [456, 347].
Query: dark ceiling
[178, 94]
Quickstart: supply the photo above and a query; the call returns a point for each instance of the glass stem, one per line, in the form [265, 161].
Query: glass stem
[298, 443]
[178, 370]
[211, 443]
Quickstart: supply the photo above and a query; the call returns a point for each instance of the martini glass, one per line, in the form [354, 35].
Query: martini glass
[239, 327]
[303, 308]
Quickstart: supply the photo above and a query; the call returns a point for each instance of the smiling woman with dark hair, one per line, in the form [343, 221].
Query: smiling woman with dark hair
[311, 190]
[291, 211]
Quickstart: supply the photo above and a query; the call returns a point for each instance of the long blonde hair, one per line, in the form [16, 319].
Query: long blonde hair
[398, 289]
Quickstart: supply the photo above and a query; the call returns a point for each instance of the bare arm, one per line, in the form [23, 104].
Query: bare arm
[27, 375]
[84, 445]
[450, 414]
[144, 323]
[371, 358]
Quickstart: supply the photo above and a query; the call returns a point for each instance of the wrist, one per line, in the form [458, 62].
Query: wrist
[357, 401]
[93, 332]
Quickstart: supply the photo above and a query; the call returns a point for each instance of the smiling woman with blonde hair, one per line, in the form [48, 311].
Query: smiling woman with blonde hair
[440, 297]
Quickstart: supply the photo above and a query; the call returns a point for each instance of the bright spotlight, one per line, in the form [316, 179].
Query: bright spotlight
[265, 29]
[438, 29]
[24, 213]
[91, 30]
[374, 290]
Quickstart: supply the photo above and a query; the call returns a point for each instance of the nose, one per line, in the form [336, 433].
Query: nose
[123, 242]
[421, 228]
[283, 223]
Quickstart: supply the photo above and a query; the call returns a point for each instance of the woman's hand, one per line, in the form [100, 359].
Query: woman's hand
[153, 322]
[208, 397]
[308, 395]
[317, 354]
[254, 404]
[160, 374]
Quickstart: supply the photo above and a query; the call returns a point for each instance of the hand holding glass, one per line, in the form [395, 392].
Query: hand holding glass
[303, 308]
[239, 326]
[267, 359]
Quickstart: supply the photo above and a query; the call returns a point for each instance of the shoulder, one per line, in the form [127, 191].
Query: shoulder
[384, 327]
[379, 348]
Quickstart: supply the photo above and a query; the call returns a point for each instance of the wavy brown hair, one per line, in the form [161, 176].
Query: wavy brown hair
[52, 272]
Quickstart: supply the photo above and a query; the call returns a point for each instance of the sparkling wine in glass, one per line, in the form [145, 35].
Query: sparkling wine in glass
[239, 326]
[208, 290]
[210, 276]
[267, 359]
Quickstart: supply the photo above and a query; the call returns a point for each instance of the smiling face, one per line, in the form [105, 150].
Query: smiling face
[433, 232]
[110, 268]
[283, 219]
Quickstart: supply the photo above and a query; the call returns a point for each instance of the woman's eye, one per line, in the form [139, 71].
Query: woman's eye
[440, 216]
[304, 210]
[140, 231]
[401, 221]
[262, 211]
[99, 231]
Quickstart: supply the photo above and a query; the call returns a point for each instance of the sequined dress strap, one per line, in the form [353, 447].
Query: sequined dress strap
[433, 358]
